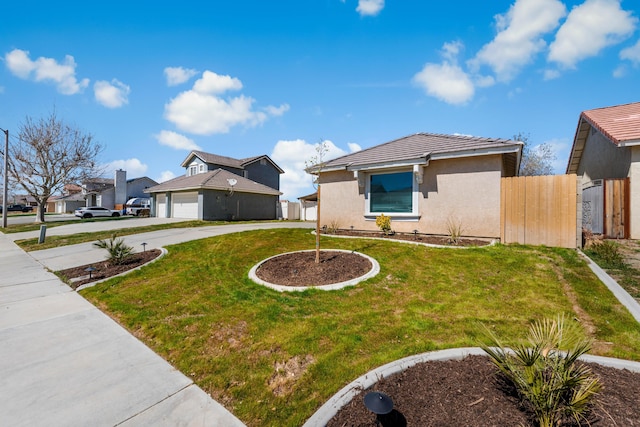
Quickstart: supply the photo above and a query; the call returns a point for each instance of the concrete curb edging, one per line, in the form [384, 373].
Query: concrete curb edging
[623, 296]
[327, 411]
[163, 252]
[375, 269]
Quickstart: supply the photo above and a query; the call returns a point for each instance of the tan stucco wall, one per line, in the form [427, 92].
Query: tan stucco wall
[601, 159]
[464, 190]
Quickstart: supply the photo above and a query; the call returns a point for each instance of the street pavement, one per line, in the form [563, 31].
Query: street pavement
[65, 363]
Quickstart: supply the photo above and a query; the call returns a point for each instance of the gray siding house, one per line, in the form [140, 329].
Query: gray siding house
[220, 188]
[114, 193]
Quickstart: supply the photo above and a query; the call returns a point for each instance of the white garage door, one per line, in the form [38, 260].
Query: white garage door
[161, 206]
[184, 205]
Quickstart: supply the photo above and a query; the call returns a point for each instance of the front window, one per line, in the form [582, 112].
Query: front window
[394, 193]
[391, 193]
[193, 170]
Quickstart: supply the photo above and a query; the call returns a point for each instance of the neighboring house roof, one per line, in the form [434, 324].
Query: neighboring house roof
[313, 197]
[419, 149]
[620, 124]
[213, 180]
[227, 161]
[73, 197]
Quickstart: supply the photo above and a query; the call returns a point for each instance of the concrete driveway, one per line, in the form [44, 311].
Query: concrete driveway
[65, 257]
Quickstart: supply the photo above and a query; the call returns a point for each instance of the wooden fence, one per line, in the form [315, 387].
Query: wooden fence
[540, 210]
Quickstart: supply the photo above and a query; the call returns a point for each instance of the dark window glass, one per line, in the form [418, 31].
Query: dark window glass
[391, 192]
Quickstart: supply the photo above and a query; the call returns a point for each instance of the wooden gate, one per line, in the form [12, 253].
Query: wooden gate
[540, 210]
[616, 208]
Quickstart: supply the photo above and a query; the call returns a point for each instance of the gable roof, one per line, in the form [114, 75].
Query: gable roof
[213, 180]
[620, 124]
[226, 161]
[420, 148]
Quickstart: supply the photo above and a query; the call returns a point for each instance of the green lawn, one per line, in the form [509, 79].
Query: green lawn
[197, 308]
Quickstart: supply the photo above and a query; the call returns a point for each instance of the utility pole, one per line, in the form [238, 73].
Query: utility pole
[5, 178]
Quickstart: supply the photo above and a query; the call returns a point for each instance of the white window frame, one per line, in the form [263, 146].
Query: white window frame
[414, 215]
[201, 167]
[193, 169]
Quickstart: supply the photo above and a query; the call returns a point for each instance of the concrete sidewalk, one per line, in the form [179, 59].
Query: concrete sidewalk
[65, 363]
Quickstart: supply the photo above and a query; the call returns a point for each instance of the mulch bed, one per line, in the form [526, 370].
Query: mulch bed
[300, 268]
[470, 392]
[104, 269]
[410, 237]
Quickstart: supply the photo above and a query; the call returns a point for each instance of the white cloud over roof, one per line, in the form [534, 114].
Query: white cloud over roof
[589, 28]
[292, 156]
[520, 36]
[134, 167]
[176, 141]
[203, 111]
[63, 75]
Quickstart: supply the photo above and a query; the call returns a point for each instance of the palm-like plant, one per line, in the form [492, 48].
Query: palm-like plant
[117, 249]
[545, 372]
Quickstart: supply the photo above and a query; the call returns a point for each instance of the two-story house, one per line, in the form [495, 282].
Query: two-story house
[220, 188]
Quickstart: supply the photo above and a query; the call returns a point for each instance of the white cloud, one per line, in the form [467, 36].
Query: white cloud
[447, 82]
[551, 74]
[589, 28]
[631, 53]
[165, 176]
[292, 156]
[176, 141]
[63, 75]
[212, 83]
[353, 147]
[178, 75]
[620, 72]
[369, 7]
[519, 36]
[202, 111]
[112, 94]
[134, 167]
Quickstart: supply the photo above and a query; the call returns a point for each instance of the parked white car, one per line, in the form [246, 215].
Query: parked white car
[91, 211]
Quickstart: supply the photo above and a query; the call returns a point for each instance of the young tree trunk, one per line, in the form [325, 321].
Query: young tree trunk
[318, 229]
[40, 212]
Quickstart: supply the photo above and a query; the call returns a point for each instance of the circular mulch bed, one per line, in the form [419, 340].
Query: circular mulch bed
[78, 276]
[299, 269]
[470, 392]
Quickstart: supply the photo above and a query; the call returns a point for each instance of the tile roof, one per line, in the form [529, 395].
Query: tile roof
[420, 146]
[227, 161]
[620, 123]
[213, 180]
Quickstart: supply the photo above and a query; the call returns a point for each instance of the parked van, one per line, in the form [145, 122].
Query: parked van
[137, 205]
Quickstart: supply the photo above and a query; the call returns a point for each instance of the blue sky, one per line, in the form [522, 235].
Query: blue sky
[154, 80]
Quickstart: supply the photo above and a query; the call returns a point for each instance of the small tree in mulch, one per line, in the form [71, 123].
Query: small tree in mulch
[117, 250]
[545, 373]
[384, 224]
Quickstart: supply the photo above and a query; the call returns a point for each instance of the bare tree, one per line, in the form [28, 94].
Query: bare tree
[47, 154]
[535, 160]
[314, 166]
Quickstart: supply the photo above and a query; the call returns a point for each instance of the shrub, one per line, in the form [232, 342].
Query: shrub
[454, 229]
[555, 387]
[333, 227]
[606, 254]
[384, 223]
[117, 250]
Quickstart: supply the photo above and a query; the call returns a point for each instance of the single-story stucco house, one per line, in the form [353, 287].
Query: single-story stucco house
[423, 182]
[606, 146]
[220, 188]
